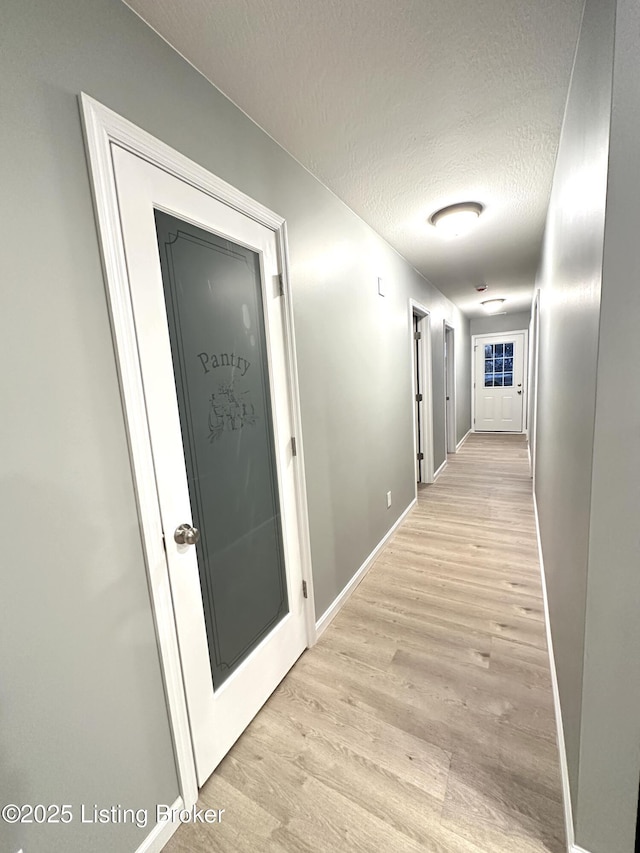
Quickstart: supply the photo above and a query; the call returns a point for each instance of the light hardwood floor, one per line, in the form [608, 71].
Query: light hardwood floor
[423, 718]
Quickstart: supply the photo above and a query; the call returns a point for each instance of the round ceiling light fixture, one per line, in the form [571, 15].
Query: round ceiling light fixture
[456, 219]
[492, 306]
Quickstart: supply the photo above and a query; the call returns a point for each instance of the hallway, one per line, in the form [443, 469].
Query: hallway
[423, 719]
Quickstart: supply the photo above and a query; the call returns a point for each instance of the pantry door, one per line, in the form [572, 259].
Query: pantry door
[210, 327]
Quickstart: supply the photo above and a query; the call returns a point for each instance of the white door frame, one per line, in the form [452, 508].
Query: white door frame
[426, 419]
[450, 407]
[104, 128]
[532, 408]
[525, 376]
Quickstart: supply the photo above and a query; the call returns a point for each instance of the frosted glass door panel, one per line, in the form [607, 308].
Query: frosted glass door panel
[213, 298]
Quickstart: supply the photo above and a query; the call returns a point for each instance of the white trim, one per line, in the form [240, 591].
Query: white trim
[303, 508]
[525, 378]
[102, 126]
[450, 406]
[463, 439]
[102, 129]
[99, 133]
[564, 771]
[440, 470]
[576, 849]
[533, 378]
[416, 309]
[332, 611]
[159, 836]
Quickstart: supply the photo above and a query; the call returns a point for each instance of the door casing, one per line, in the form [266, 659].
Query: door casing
[450, 407]
[104, 128]
[532, 408]
[424, 357]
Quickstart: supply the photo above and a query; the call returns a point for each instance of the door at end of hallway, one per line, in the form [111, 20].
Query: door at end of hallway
[499, 382]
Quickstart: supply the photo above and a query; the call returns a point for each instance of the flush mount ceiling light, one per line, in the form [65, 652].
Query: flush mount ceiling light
[456, 219]
[492, 306]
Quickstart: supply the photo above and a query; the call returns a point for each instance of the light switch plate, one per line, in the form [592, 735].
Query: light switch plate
[381, 288]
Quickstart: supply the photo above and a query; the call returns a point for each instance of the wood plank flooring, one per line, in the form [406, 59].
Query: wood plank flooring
[422, 721]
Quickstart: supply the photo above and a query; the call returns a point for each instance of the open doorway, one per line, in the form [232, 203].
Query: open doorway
[420, 337]
[450, 388]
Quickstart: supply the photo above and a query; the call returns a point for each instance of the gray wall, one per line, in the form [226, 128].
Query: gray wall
[82, 713]
[499, 323]
[610, 734]
[463, 384]
[569, 281]
[587, 463]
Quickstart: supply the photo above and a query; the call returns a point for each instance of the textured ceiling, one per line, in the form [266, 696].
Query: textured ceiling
[401, 107]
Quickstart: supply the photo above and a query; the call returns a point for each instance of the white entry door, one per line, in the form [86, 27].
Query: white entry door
[499, 382]
[210, 331]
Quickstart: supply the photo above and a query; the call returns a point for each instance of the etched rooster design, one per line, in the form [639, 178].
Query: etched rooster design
[230, 410]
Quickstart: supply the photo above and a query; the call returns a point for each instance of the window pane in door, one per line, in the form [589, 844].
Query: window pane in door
[213, 297]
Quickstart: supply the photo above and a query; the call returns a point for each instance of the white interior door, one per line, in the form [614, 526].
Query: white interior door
[210, 333]
[499, 382]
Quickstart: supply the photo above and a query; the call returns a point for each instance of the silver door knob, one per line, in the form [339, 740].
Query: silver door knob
[185, 534]
[519, 392]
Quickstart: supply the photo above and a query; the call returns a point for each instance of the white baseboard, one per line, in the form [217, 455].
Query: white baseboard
[161, 833]
[564, 771]
[576, 849]
[463, 439]
[332, 611]
[440, 470]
